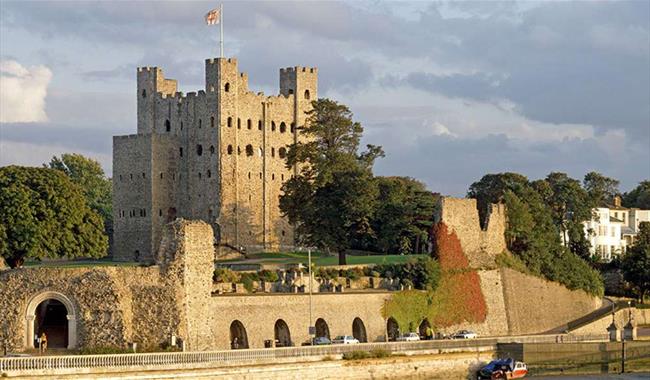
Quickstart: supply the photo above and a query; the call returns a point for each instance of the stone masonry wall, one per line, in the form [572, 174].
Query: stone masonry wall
[480, 246]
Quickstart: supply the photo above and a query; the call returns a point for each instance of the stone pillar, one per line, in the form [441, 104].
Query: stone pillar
[29, 337]
[72, 331]
[614, 333]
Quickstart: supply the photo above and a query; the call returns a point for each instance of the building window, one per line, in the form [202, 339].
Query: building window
[144, 93]
[209, 174]
[161, 175]
[120, 177]
[293, 127]
[238, 150]
[199, 150]
[238, 123]
[229, 121]
[282, 152]
[283, 127]
[291, 91]
[181, 125]
[229, 149]
[283, 233]
[226, 87]
[143, 176]
[200, 123]
[159, 212]
[272, 152]
[131, 176]
[212, 121]
[282, 177]
[249, 175]
[211, 149]
[250, 198]
[260, 152]
[307, 94]
[249, 124]
[260, 175]
[168, 125]
[249, 150]
[180, 150]
[273, 126]
[259, 125]
[273, 177]
[199, 175]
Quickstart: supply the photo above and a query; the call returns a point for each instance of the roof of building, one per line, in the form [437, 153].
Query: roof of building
[614, 220]
[625, 230]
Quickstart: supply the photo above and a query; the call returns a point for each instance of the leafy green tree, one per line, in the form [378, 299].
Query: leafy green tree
[601, 189]
[403, 217]
[491, 188]
[570, 206]
[332, 198]
[639, 196]
[636, 262]
[43, 214]
[89, 175]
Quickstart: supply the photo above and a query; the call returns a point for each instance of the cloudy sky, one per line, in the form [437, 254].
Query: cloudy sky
[450, 90]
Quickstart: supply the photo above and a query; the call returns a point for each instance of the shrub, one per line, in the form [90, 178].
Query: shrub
[379, 353]
[104, 350]
[268, 276]
[225, 275]
[247, 279]
[356, 355]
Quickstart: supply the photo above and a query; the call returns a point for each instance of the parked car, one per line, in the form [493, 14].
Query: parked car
[321, 341]
[345, 339]
[465, 334]
[502, 369]
[409, 337]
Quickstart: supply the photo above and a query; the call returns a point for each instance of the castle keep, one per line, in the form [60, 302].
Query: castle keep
[215, 155]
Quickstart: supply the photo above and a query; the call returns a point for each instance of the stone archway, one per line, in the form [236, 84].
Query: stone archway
[392, 329]
[56, 317]
[422, 330]
[238, 336]
[322, 329]
[359, 330]
[282, 334]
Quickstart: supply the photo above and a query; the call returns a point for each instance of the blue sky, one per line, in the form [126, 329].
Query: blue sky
[451, 90]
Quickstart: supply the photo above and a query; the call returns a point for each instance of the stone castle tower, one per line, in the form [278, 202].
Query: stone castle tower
[216, 155]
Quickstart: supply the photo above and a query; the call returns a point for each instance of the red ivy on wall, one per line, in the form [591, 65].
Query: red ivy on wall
[459, 296]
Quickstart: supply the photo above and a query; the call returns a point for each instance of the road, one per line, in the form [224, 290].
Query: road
[631, 376]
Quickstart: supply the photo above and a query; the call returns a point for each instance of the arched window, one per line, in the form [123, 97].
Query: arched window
[283, 127]
[293, 127]
[249, 150]
[359, 330]
[144, 93]
[273, 125]
[211, 149]
[322, 330]
[199, 150]
[226, 87]
[259, 125]
[249, 124]
[212, 121]
[282, 334]
[307, 94]
[229, 121]
[168, 125]
[229, 149]
[238, 123]
[238, 337]
[282, 152]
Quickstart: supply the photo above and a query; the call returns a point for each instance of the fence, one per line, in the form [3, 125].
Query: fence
[53, 363]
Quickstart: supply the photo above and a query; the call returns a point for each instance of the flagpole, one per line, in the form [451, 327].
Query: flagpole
[221, 28]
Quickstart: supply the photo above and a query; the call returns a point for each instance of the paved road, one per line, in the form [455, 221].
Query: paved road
[635, 376]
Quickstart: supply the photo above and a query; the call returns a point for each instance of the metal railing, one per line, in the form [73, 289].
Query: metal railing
[53, 363]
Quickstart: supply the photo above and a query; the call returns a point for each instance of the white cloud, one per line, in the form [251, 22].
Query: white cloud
[22, 92]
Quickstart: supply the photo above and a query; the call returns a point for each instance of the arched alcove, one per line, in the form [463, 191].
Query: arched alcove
[422, 330]
[359, 330]
[392, 329]
[52, 313]
[322, 329]
[282, 334]
[238, 336]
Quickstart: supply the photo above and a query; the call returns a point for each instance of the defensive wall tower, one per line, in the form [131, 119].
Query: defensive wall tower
[216, 155]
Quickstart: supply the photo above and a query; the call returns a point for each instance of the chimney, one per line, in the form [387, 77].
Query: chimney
[617, 200]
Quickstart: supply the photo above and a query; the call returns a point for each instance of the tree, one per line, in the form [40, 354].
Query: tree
[89, 175]
[636, 262]
[332, 198]
[601, 189]
[491, 188]
[43, 214]
[639, 197]
[403, 217]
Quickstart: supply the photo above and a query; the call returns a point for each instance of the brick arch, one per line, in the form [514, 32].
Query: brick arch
[30, 316]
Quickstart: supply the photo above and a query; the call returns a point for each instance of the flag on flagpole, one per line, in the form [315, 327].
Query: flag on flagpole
[213, 17]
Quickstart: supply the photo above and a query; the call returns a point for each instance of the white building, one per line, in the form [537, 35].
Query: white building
[613, 229]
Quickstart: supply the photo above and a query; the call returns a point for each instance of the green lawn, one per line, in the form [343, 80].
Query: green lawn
[321, 259]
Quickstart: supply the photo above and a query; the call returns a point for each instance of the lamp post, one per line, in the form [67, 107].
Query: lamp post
[312, 331]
